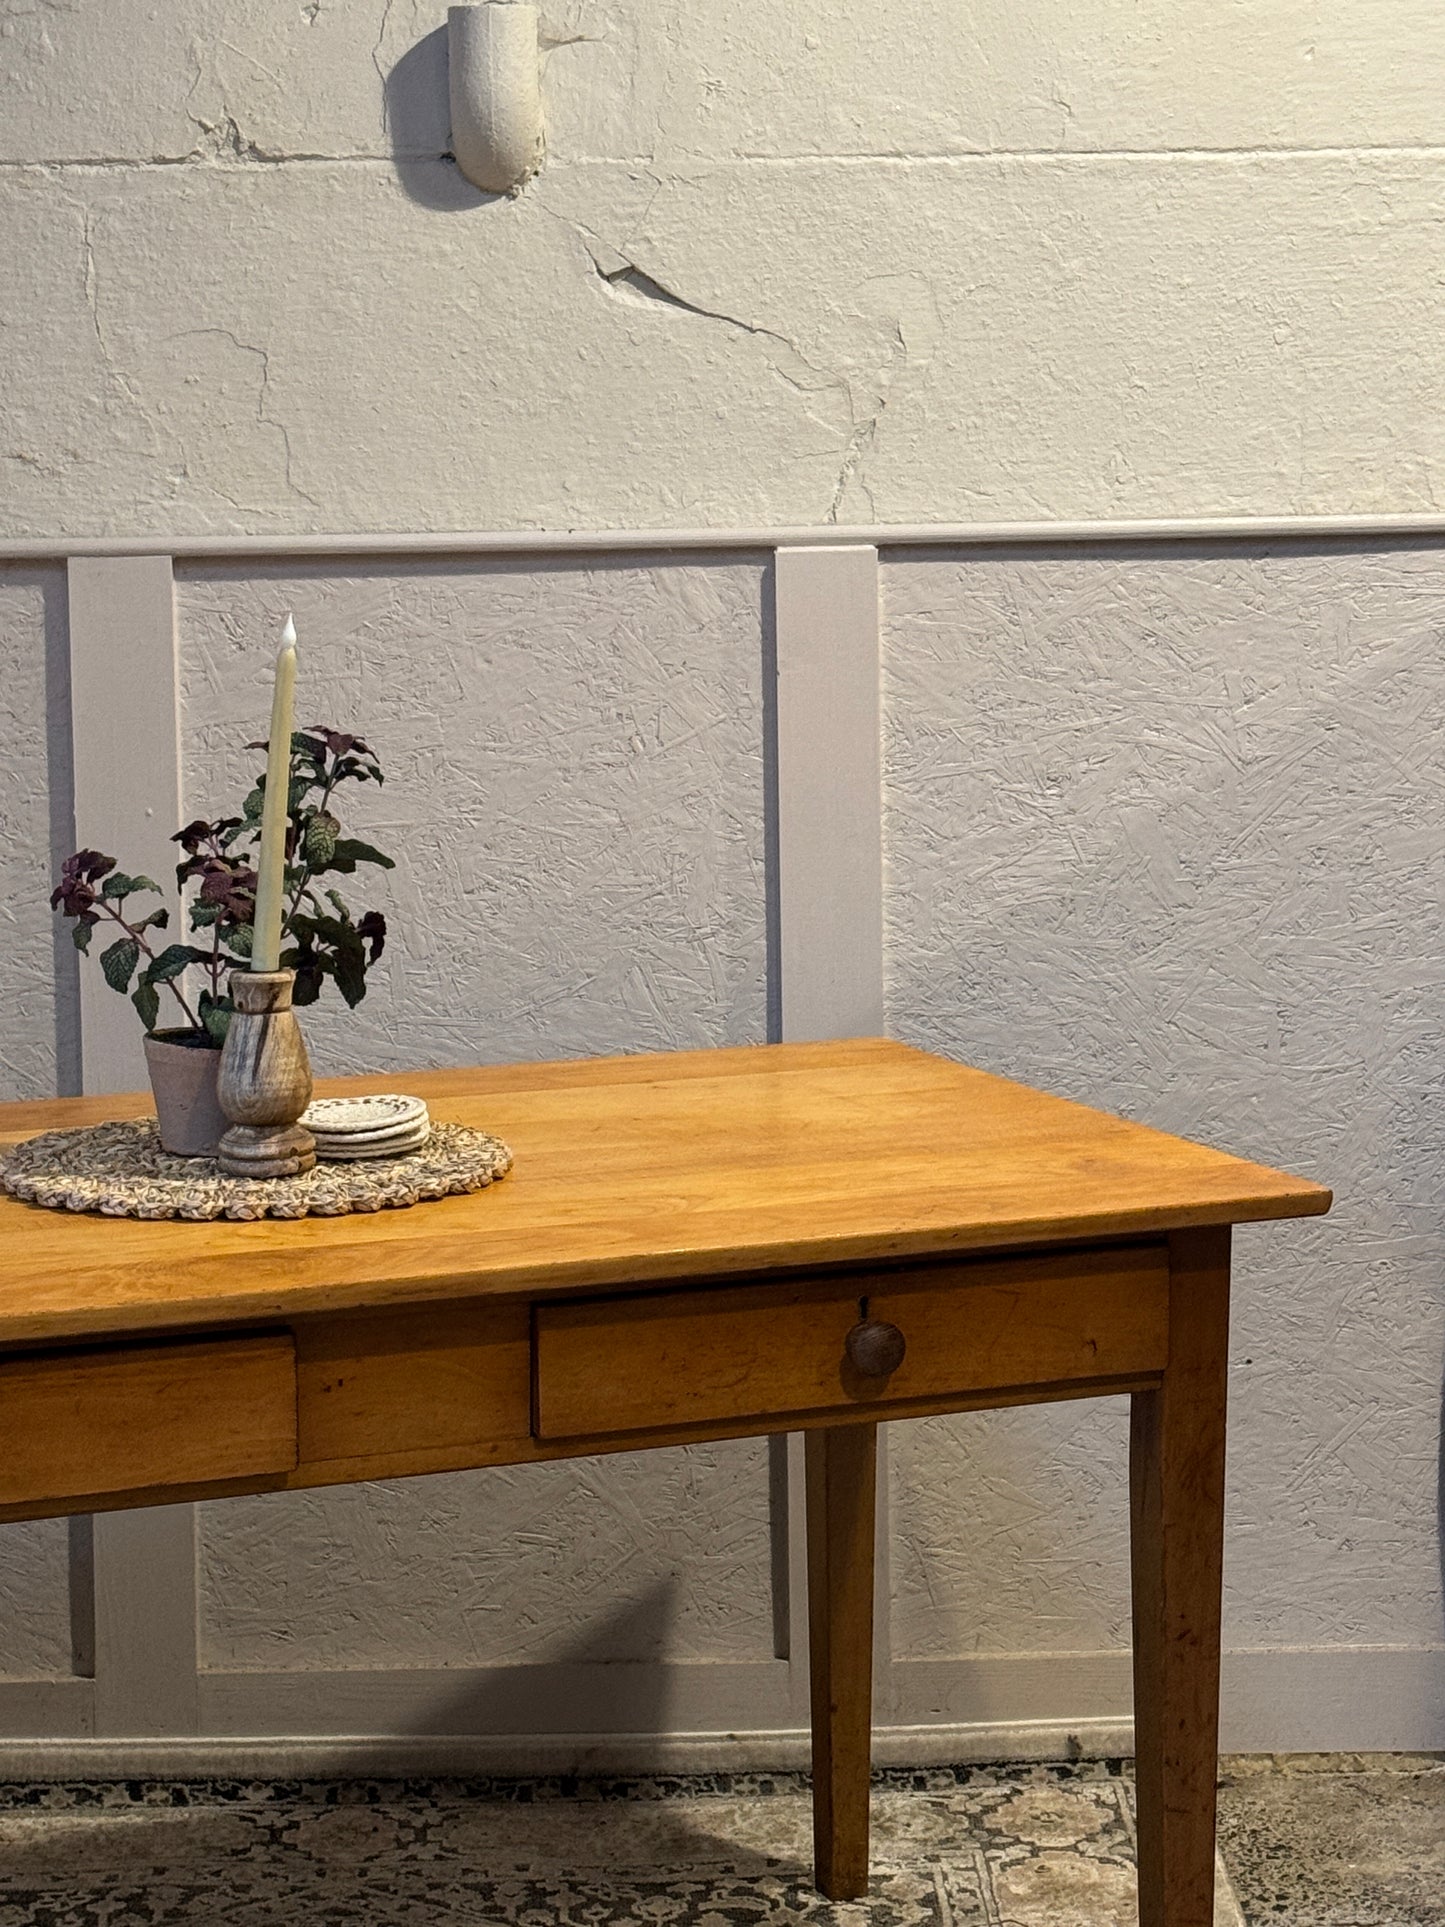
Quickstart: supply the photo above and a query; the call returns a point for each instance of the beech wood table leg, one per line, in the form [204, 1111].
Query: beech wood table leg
[1176, 1476]
[841, 1478]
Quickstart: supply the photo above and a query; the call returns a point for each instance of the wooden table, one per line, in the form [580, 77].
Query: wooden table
[692, 1246]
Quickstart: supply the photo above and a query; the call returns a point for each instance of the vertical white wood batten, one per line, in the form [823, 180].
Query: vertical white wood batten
[830, 852]
[830, 891]
[125, 725]
[146, 1631]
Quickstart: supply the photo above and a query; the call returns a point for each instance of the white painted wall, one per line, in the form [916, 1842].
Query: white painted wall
[825, 260]
[34, 757]
[574, 798]
[1160, 833]
[1164, 836]
[574, 790]
[1162, 824]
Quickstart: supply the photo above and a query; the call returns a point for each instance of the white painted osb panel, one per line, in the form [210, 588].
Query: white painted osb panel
[1164, 835]
[30, 600]
[574, 798]
[725, 344]
[656, 1555]
[35, 1600]
[1011, 1532]
[34, 1569]
[573, 794]
[678, 79]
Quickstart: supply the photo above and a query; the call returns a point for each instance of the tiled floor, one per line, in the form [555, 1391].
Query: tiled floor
[971, 1847]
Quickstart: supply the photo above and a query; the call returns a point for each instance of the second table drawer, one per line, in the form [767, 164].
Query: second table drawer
[653, 1360]
[127, 1417]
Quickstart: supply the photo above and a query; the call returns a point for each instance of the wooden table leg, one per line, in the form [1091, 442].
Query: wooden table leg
[1176, 1476]
[842, 1476]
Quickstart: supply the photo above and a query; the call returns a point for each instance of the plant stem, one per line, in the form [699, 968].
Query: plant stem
[138, 937]
[306, 873]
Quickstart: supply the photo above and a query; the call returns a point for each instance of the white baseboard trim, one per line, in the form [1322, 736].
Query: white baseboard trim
[449, 1755]
[1386, 1699]
[46, 1712]
[1334, 1699]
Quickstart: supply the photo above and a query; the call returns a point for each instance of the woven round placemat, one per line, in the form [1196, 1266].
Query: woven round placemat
[121, 1171]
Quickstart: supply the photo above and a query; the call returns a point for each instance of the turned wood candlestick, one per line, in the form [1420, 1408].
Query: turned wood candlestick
[265, 1080]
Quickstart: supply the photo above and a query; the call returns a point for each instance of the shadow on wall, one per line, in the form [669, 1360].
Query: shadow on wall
[609, 1677]
[415, 106]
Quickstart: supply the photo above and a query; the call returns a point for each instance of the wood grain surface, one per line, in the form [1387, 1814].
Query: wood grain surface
[140, 1415]
[691, 1357]
[842, 1481]
[1176, 1483]
[632, 1171]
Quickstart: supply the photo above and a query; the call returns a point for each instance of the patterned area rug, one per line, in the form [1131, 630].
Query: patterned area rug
[964, 1847]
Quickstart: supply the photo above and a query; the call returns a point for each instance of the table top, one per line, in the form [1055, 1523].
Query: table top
[641, 1170]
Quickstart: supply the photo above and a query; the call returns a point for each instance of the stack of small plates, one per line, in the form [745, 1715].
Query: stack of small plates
[349, 1128]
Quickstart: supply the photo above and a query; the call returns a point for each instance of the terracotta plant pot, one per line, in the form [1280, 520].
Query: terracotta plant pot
[183, 1070]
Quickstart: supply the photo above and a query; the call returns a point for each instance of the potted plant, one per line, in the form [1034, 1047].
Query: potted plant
[217, 885]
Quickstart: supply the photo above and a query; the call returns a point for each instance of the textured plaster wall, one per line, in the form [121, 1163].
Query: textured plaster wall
[575, 802]
[919, 263]
[1164, 835]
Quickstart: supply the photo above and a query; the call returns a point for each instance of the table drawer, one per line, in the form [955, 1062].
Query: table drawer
[652, 1360]
[134, 1416]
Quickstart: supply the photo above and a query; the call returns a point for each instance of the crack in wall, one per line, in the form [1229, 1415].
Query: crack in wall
[221, 153]
[381, 73]
[224, 141]
[262, 416]
[906, 358]
[625, 280]
[628, 282]
[91, 283]
[865, 433]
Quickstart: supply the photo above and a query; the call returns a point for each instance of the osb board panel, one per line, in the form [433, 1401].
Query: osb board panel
[1164, 835]
[33, 754]
[574, 800]
[573, 794]
[646, 1556]
[35, 1600]
[1010, 1532]
[34, 1578]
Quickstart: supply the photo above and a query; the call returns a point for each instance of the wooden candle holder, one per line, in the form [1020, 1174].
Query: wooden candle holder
[265, 1080]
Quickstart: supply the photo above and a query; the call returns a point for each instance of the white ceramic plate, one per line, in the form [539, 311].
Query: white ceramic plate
[390, 1135]
[363, 1117]
[341, 1152]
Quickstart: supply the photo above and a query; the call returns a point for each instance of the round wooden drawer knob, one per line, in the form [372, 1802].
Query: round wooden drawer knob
[874, 1348]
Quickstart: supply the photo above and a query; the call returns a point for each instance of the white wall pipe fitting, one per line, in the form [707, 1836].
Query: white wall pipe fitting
[494, 75]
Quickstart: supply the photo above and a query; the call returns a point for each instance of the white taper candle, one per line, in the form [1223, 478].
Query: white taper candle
[271, 864]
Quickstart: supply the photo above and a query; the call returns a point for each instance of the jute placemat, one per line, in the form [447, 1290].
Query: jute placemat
[121, 1171]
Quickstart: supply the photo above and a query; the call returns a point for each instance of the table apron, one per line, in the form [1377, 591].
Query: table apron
[348, 1396]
